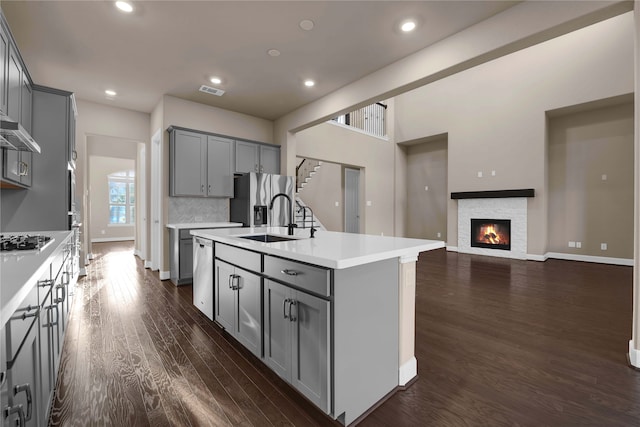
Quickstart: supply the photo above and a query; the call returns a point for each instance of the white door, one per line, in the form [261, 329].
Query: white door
[141, 201]
[351, 200]
[156, 199]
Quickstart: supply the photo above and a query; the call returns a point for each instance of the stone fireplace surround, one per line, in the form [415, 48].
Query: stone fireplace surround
[502, 204]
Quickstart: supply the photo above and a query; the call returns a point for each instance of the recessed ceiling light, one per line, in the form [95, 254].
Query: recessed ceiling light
[124, 6]
[273, 52]
[408, 26]
[309, 83]
[306, 24]
[215, 80]
[110, 92]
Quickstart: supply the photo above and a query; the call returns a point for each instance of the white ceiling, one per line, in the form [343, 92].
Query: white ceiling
[173, 47]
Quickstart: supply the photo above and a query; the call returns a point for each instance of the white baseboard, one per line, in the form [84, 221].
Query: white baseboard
[147, 264]
[82, 272]
[590, 258]
[111, 239]
[90, 256]
[407, 371]
[452, 248]
[164, 275]
[531, 257]
[634, 355]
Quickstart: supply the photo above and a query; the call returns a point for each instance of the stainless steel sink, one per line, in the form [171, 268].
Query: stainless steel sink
[268, 238]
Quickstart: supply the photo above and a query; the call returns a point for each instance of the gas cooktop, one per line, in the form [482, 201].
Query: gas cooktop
[22, 242]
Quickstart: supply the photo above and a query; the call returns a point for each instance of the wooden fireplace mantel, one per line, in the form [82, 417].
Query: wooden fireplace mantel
[493, 194]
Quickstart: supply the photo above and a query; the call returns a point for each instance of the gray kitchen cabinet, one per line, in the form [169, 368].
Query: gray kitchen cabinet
[26, 97]
[4, 52]
[17, 166]
[181, 256]
[238, 296]
[297, 340]
[200, 164]
[255, 157]
[14, 84]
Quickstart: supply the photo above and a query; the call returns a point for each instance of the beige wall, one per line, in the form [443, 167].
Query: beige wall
[100, 167]
[426, 188]
[375, 157]
[322, 192]
[102, 120]
[582, 206]
[494, 114]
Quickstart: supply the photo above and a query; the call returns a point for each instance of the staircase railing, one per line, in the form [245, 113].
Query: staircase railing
[370, 119]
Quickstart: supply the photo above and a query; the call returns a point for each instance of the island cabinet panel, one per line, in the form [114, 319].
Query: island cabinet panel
[24, 382]
[238, 296]
[297, 340]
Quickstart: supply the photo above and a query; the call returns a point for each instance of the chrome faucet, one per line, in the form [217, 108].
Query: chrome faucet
[291, 225]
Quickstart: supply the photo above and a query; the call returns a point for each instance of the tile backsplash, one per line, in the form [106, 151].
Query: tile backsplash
[184, 210]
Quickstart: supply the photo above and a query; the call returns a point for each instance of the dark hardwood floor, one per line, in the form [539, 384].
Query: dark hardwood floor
[498, 342]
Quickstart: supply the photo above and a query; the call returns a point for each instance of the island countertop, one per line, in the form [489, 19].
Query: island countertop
[328, 248]
[19, 271]
[188, 225]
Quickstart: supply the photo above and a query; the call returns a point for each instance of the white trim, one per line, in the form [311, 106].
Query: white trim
[90, 256]
[531, 257]
[452, 248]
[355, 129]
[590, 258]
[404, 259]
[634, 355]
[111, 239]
[82, 272]
[147, 264]
[164, 275]
[138, 253]
[408, 371]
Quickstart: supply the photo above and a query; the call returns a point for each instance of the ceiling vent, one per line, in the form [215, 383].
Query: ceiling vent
[211, 90]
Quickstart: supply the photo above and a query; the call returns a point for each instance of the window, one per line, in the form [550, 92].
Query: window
[122, 197]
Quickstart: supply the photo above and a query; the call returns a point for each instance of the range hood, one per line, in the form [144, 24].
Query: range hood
[15, 137]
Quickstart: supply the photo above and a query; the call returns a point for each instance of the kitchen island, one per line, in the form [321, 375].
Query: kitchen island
[332, 315]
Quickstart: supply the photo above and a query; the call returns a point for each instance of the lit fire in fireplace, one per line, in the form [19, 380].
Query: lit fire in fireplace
[491, 233]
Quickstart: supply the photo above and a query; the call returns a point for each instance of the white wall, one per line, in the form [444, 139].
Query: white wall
[494, 114]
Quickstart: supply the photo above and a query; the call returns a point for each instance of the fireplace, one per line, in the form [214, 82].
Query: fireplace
[491, 233]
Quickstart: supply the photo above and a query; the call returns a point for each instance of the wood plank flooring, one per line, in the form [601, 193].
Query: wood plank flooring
[499, 342]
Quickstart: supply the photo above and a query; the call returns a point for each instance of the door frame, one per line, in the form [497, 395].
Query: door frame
[156, 202]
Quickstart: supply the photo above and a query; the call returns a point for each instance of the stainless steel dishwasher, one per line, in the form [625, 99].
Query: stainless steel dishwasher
[203, 275]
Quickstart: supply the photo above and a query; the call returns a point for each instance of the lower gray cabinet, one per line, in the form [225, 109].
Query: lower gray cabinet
[297, 340]
[238, 304]
[16, 166]
[24, 382]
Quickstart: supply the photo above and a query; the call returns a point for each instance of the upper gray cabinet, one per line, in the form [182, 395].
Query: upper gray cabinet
[254, 157]
[200, 164]
[14, 85]
[4, 51]
[26, 100]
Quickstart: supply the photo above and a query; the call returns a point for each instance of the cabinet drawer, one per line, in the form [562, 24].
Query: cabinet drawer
[304, 276]
[185, 234]
[239, 257]
[21, 321]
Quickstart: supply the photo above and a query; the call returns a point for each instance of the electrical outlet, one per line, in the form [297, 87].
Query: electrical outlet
[493, 173]
[368, 202]
[479, 174]
[604, 177]
[337, 204]
[426, 188]
[198, 219]
[103, 232]
[439, 235]
[578, 245]
[572, 244]
[603, 246]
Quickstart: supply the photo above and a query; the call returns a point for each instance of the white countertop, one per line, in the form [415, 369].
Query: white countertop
[204, 225]
[328, 249]
[19, 271]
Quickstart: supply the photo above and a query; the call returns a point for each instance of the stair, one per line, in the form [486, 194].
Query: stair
[305, 172]
[303, 216]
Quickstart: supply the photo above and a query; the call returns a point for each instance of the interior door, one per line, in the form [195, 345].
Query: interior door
[351, 200]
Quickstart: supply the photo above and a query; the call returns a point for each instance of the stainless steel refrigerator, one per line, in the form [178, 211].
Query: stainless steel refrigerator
[253, 193]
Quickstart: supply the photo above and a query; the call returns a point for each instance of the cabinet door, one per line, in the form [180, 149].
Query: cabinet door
[14, 85]
[219, 163]
[225, 296]
[269, 159]
[186, 164]
[249, 311]
[26, 96]
[24, 382]
[25, 168]
[247, 157]
[310, 373]
[11, 165]
[277, 331]
[186, 259]
[47, 373]
[4, 51]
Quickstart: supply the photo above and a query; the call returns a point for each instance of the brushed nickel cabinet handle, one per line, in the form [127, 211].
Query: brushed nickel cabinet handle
[27, 390]
[292, 318]
[289, 272]
[284, 308]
